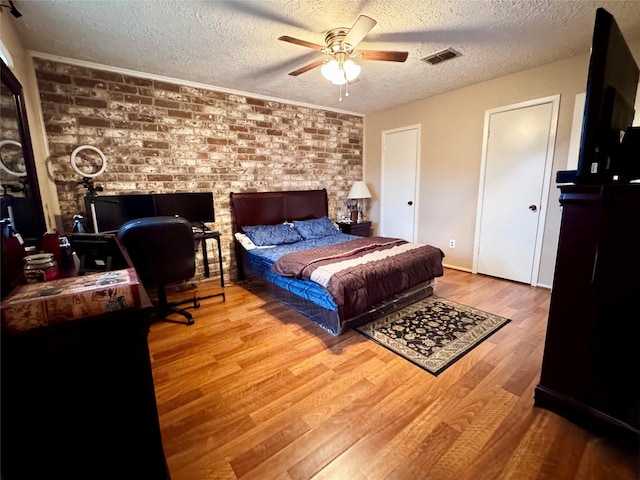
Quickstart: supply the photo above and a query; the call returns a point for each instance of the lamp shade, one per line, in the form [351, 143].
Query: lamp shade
[359, 190]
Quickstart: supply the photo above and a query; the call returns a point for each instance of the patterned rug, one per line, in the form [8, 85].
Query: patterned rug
[433, 333]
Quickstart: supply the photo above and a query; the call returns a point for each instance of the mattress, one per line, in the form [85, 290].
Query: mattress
[261, 261]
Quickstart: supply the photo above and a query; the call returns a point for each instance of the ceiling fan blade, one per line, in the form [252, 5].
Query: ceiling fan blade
[297, 41]
[388, 56]
[361, 27]
[306, 68]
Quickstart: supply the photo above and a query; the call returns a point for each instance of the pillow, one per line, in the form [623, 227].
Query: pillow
[315, 228]
[245, 241]
[272, 234]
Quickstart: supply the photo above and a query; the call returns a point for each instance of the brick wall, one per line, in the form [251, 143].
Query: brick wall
[165, 137]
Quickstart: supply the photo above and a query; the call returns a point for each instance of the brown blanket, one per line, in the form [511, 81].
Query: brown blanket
[363, 272]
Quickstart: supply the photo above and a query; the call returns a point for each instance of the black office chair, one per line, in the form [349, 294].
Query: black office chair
[162, 252]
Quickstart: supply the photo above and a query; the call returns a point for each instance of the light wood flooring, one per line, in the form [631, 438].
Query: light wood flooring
[254, 390]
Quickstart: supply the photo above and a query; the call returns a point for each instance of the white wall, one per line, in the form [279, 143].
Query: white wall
[452, 130]
[25, 73]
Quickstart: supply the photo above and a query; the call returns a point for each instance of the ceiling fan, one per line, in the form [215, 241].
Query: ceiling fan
[340, 47]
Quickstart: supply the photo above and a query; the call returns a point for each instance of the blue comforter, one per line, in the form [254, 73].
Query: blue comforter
[262, 259]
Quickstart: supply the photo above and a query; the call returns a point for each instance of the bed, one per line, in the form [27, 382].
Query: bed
[285, 242]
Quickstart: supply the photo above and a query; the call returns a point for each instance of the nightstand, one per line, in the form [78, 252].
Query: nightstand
[362, 229]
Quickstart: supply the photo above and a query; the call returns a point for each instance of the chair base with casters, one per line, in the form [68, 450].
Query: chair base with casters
[164, 308]
[162, 251]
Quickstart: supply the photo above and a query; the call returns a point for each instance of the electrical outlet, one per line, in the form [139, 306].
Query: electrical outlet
[452, 243]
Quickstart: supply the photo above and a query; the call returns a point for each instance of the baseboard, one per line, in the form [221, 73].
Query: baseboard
[456, 267]
[468, 270]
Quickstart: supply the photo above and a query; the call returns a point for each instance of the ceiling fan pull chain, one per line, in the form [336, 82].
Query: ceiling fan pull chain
[340, 98]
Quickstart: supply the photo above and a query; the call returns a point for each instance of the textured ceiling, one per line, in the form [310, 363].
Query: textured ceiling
[234, 44]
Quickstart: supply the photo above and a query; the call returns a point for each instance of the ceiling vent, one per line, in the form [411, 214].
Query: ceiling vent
[441, 56]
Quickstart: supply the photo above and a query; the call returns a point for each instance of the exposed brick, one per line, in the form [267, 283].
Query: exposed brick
[54, 98]
[160, 178]
[138, 99]
[121, 87]
[54, 128]
[140, 82]
[180, 113]
[89, 102]
[161, 102]
[165, 137]
[55, 77]
[255, 101]
[155, 128]
[104, 75]
[134, 117]
[98, 122]
[158, 145]
[171, 87]
[89, 82]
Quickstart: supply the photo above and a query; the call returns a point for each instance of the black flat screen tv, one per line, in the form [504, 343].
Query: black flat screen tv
[609, 106]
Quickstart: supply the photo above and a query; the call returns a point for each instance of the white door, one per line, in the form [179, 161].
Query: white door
[398, 193]
[514, 186]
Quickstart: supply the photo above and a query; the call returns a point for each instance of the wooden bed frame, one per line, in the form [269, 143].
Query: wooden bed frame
[271, 208]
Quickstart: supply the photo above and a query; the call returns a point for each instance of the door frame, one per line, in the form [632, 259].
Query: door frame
[418, 128]
[546, 182]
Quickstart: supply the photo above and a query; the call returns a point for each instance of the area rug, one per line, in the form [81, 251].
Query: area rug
[433, 333]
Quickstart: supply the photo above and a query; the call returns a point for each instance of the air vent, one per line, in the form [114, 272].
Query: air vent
[441, 56]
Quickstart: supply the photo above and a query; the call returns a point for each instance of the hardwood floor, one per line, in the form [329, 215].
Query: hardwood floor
[254, 390]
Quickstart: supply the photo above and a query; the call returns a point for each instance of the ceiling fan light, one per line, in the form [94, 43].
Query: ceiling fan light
[351, 70]
[339, 80]
[330, 70]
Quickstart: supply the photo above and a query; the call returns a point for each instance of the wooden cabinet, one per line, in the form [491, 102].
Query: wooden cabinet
[78, 400]
[591, 363]
[362, 229]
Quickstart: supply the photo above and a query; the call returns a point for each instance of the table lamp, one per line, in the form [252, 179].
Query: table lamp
[358, 192]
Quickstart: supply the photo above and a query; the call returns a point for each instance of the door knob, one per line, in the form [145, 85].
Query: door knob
[409, 202]
[533, 208]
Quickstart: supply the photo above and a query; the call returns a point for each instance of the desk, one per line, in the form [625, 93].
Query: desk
[202, 236]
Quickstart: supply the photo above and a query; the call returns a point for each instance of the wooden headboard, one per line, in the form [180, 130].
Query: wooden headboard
[270, 208]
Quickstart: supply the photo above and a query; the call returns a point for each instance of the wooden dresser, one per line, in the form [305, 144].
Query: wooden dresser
[78, 398]
[591, 365]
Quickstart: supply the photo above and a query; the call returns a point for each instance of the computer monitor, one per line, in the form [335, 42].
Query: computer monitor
[97, 252]
[195, 207]
[112, 211]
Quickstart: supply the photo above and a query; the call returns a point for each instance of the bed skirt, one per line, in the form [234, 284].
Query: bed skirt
[330, 320]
